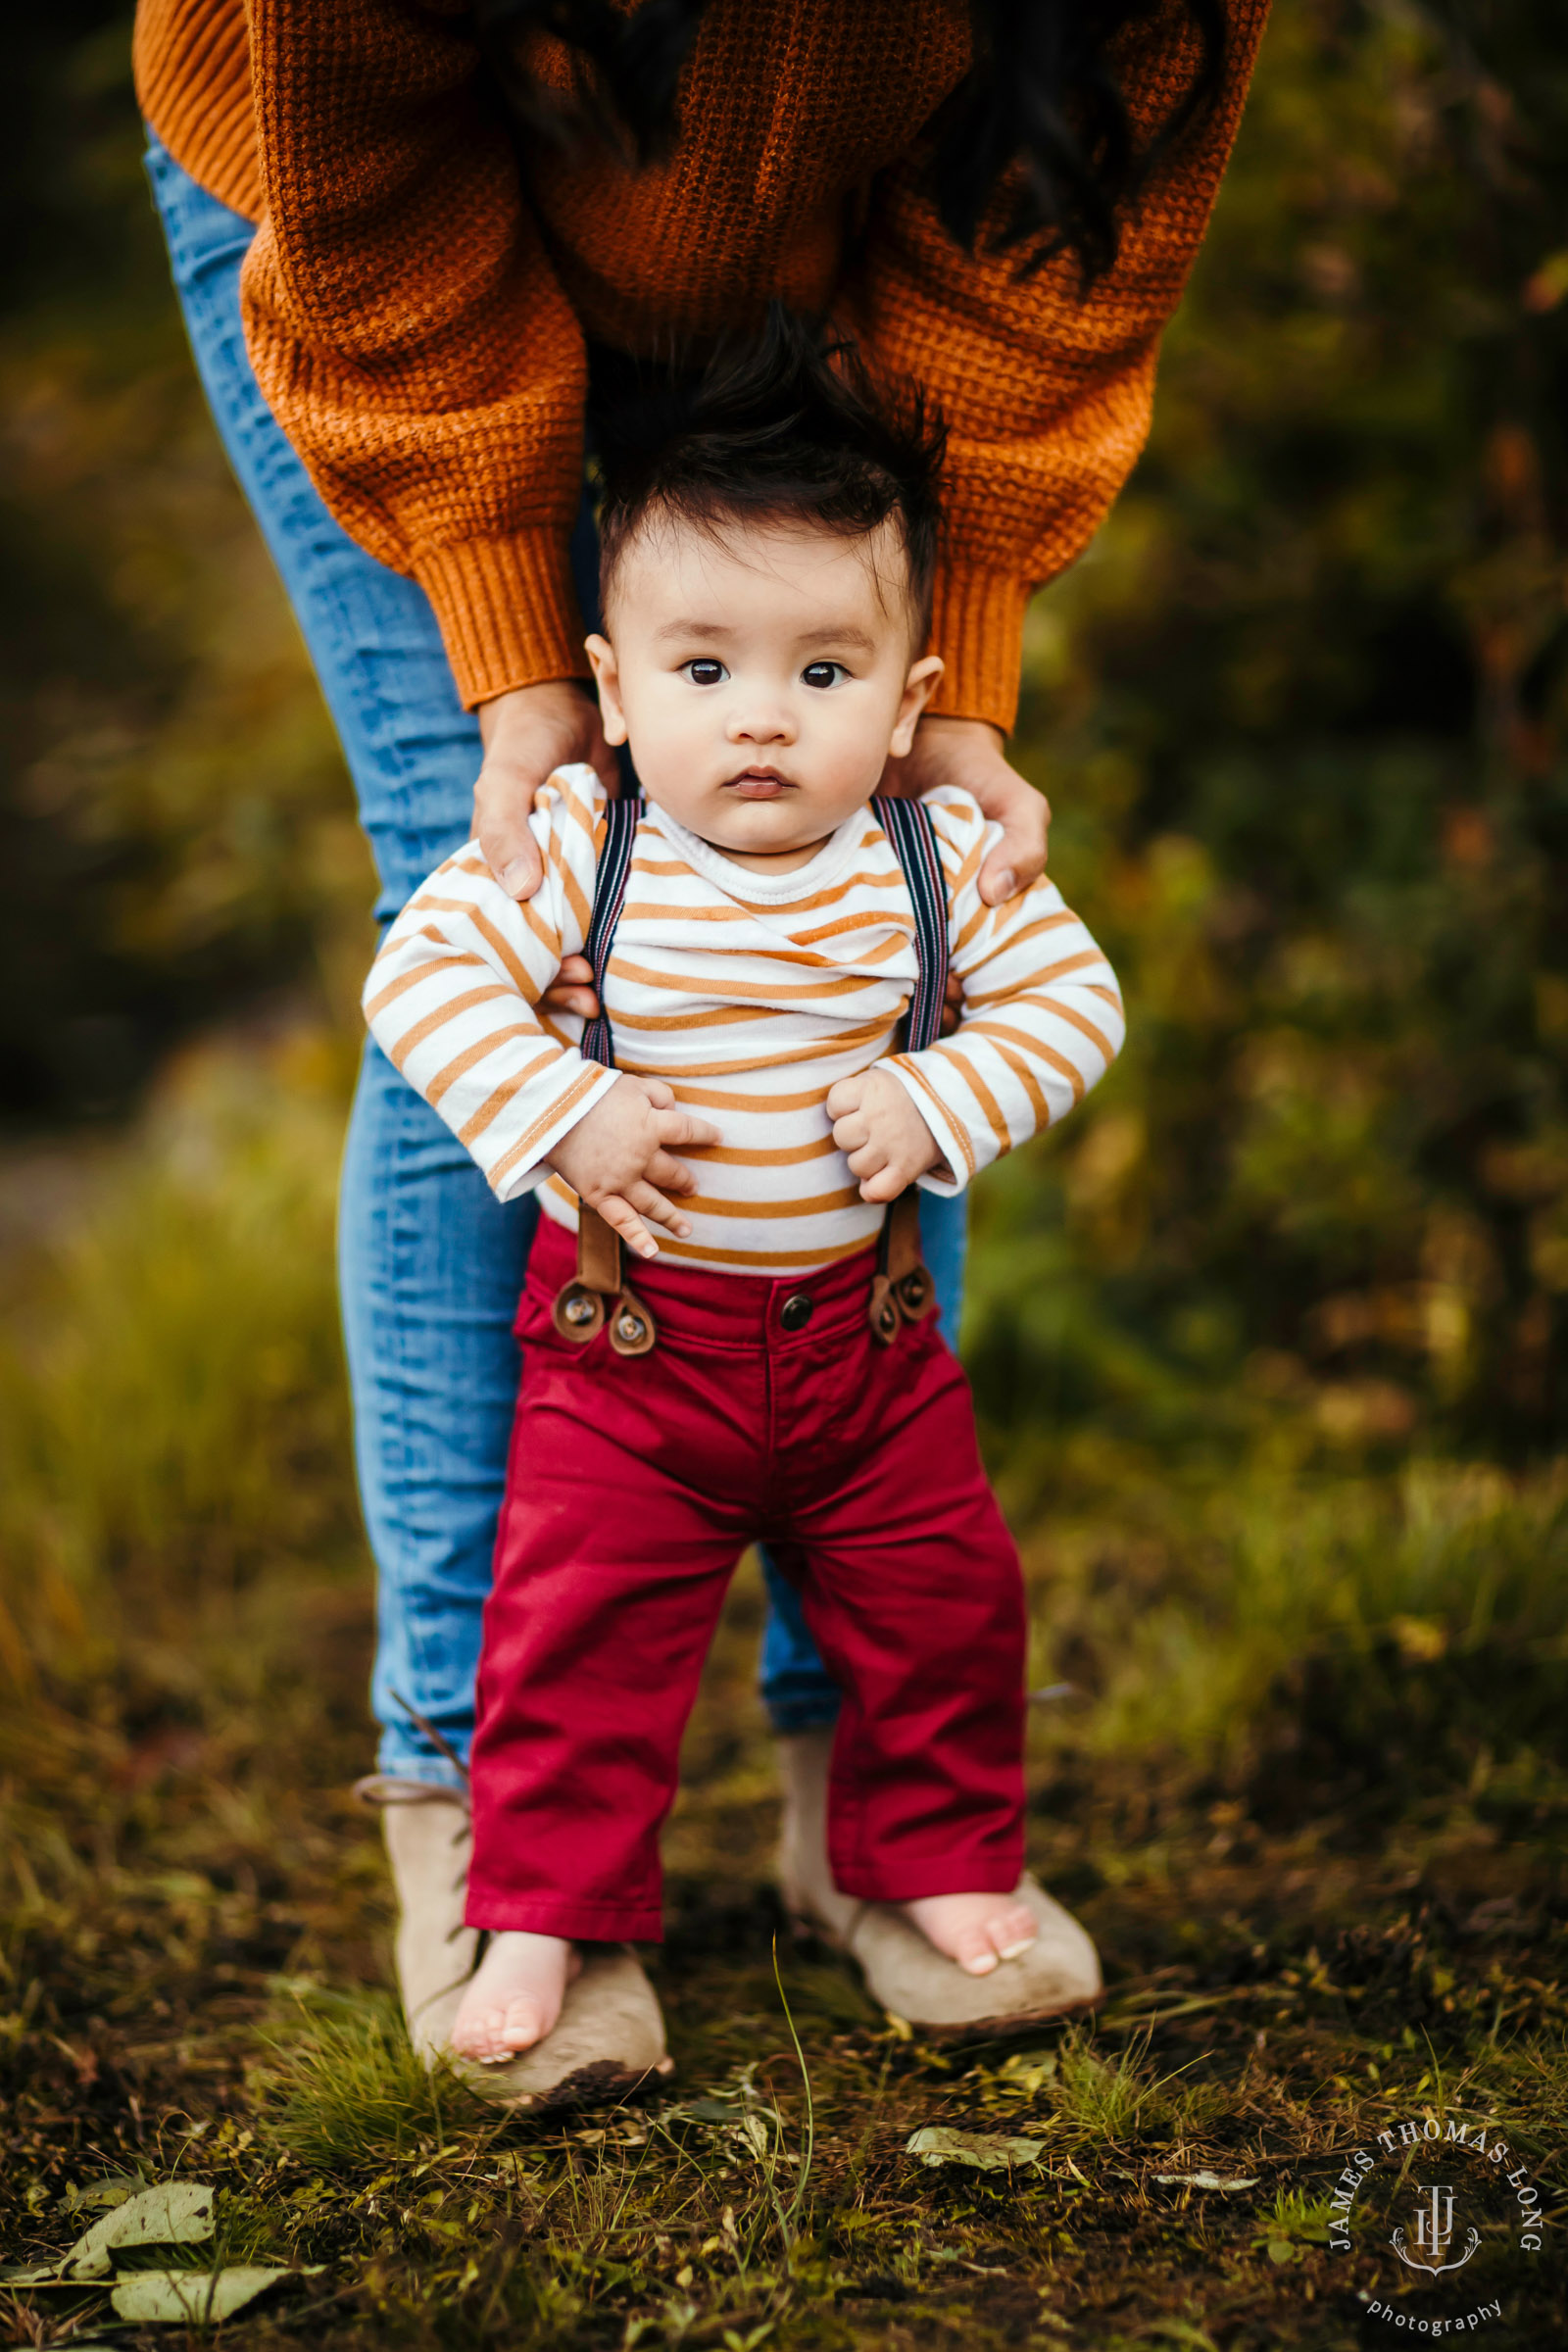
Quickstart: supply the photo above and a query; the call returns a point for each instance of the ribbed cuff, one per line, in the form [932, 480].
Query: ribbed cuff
[506, 610]
[192, 70]
[977, 627]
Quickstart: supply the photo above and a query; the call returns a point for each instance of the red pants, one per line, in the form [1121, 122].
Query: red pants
[634, 1486]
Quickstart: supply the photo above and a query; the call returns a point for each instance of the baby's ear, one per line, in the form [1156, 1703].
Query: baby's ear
[919, 688]
[607, 677]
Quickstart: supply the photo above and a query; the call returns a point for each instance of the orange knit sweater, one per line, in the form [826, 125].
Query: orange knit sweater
[417, 298]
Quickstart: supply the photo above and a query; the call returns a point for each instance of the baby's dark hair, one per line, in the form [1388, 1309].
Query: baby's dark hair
[783, 426]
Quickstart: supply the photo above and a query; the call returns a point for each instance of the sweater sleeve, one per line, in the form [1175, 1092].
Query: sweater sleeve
[1046, 393]
[450, 995]
[407, 330]
[1041, 1012]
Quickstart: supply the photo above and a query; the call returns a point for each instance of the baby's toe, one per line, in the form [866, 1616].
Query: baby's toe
[974, 1951]
[523, 2024]
[1011, 1932]
[479, 2036]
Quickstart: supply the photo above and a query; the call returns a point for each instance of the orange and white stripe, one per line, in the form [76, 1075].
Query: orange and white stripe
[751, 997]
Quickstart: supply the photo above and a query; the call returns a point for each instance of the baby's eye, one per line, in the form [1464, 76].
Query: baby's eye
[703, 673]
[823, 673]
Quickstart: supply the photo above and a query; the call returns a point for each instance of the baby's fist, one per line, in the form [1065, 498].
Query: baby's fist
[887, 1142]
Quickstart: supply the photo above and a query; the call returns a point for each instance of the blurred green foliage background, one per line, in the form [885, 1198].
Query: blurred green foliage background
[1270, 1343]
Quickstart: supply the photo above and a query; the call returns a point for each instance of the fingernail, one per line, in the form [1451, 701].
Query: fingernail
[515, 875]
[1007, 882]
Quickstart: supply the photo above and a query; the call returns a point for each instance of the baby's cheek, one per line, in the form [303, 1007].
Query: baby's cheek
[846, 752]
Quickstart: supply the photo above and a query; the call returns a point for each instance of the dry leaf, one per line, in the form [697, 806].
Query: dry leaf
[1199, 2181]
[115, 2188]
[179, 2298]
[178, 2212]
[986, 2152]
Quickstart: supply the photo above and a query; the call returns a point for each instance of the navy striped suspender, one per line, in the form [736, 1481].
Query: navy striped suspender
[907, 825]
[621, 818]
[902, 1290]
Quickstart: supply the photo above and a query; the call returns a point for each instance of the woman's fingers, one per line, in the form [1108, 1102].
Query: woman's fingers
[573, 987]
[969, 753]
[503, 802]
[1024, 816]
[559, 998]
[527, 735]
[1019, 856]
[885, 1185]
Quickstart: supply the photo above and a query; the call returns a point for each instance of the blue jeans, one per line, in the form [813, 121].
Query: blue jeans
[431, 1265]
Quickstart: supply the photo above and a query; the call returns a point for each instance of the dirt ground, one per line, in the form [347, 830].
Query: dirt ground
[196, 1990]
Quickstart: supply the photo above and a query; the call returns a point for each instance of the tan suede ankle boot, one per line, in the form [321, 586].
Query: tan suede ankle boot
[611, 2034]
[1058, 1973]
[428, 1837]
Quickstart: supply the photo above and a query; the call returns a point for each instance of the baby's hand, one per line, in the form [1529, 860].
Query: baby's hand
[888, 1143]
[617, 1158]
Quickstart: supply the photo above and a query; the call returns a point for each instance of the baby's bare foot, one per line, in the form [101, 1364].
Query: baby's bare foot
[976, 1930]
[514, 1997]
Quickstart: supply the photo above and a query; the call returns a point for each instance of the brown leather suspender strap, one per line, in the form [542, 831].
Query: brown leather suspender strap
[600, 1292]
[902, 1290]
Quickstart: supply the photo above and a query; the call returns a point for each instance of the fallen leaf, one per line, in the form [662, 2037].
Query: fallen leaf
[177, 2297]
[986, 2152]
[176, 2214]
[1200, 2180]
[115, 2188]
[1280, 2249]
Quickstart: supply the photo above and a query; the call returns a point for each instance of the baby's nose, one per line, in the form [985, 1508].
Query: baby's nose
[762, 722]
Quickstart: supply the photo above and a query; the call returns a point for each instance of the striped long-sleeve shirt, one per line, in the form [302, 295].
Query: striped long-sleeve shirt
[751, 997]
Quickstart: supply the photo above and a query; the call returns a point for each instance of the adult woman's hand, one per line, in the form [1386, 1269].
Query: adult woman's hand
[969, 753]
[527, 735]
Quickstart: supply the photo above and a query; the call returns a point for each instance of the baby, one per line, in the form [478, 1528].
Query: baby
[741, 1124]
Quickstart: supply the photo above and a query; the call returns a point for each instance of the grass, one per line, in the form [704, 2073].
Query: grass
[1310, 1796]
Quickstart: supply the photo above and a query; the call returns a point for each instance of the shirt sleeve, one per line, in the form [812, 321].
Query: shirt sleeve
[1046, 392]
[407, 329]
[1041, 1019]
[451, 998]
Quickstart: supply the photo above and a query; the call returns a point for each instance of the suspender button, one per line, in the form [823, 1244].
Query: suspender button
[797, 1311]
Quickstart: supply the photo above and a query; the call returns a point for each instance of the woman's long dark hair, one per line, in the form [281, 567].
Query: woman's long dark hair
[1043, 93]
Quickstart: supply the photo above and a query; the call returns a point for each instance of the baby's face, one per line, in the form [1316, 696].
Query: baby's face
[761, 677]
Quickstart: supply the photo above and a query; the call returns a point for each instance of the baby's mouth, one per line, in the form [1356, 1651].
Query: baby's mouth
[760, 784]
